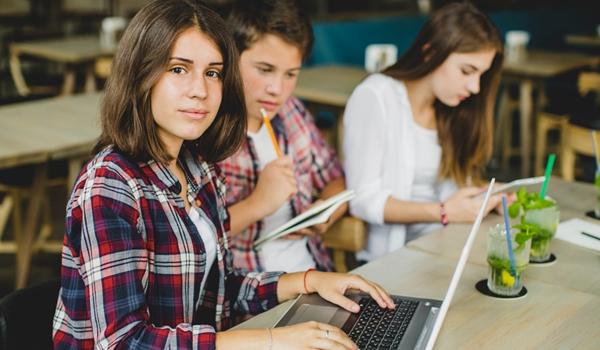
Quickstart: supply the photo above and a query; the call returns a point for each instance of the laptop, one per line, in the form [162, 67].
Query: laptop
[414, 323]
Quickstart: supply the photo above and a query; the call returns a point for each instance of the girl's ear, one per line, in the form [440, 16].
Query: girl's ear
[426, 50]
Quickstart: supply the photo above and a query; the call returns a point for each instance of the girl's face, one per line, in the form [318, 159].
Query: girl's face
[458, 77]
[187, 96]
[269, 69]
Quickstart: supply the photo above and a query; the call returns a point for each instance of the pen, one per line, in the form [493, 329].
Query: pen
[590, 235]
[267, 123]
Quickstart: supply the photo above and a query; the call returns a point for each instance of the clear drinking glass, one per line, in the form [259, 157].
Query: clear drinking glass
[500, 279]
[547, 219]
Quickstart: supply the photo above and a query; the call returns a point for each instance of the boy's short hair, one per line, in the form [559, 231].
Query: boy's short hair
[249, 20]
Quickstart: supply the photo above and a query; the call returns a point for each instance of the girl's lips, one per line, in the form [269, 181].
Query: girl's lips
[195, 113]
[268, 105]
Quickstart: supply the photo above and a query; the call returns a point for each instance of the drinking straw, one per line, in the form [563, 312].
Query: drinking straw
[595, 142]
[511, 256]
[549, 166]
[267, 122]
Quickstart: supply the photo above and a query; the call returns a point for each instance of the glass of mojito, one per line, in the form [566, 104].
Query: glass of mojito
[501, 280]
[539, 217]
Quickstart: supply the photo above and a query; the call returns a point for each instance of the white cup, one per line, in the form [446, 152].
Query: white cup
[516, 45]
[110, 32]
[380, 56]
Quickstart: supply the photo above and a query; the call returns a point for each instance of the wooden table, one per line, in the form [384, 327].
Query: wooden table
[583, 40]
[559, 312]
[330, 85]
[39, 131]
[72, 52]
[529, 73]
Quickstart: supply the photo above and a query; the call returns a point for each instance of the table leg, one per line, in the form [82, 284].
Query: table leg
[17, 74]
[90, 79]
[25, 237]
[526, 110]
[68, 82]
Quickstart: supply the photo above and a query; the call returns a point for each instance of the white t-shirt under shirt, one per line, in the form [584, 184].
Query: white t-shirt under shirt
[207, 233]
[424, 188]
[280, 254]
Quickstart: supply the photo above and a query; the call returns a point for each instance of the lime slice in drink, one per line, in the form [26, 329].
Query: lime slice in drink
[507, 279]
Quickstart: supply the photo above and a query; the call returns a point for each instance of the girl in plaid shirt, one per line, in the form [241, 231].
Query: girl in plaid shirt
[146, 261]
[264, 190]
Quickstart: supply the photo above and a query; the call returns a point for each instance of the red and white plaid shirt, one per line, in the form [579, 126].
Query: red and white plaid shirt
[133, 260]
[315, 166]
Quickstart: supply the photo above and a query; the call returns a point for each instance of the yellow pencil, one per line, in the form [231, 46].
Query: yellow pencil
[267, 122]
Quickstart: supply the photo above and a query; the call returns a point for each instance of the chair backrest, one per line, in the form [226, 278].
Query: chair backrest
[589, 81]
[576, 135]
[26, 317]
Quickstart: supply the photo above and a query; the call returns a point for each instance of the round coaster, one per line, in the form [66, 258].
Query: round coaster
[551, 260]
[592, 214]
[482, 288]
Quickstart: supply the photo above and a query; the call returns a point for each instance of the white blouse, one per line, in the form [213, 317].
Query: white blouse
[381, 154]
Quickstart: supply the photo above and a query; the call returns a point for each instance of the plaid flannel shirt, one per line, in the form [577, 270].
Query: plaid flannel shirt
[133, 261]
[315, 166]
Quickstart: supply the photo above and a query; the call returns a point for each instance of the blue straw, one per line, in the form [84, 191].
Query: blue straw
[511, 256]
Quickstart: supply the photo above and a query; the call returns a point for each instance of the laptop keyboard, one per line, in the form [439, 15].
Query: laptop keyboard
[378, 328]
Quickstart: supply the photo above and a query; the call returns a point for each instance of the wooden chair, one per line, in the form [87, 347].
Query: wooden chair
[546, 122]
[577, 139]
[346, 237]
[102, 67]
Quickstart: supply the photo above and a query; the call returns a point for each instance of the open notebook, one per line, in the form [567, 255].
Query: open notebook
[316, 215]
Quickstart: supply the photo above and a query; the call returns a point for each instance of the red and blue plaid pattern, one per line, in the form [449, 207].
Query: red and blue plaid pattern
[315, 166]
[133, 262]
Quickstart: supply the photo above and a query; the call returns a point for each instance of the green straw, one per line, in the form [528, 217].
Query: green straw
[549, 166]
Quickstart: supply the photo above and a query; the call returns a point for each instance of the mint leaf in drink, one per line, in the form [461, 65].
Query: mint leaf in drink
[528, 201]
[514, 209]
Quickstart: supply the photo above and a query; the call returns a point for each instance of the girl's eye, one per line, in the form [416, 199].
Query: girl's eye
[177, 70]
[291, 75]
[466, 72]
[264, 70]
[214, 74]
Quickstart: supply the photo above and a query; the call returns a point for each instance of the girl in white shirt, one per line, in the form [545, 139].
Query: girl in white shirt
[417, 136]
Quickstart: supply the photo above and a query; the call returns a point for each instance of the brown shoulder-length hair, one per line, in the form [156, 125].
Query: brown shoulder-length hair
[465, 131]
[249, 20]
[141, 58]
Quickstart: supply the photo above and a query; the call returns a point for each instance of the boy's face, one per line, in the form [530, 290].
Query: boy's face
[269, 69]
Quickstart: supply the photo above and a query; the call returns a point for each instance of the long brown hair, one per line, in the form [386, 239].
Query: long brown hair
[465, 131]
[142, 56]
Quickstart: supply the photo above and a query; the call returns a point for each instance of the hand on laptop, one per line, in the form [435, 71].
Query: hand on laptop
[311, 335]
[332, 287]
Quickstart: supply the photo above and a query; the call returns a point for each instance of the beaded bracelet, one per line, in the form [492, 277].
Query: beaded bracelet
[443, 214]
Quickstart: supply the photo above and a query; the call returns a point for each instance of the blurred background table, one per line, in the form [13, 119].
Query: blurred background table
[529, 74]
[72, 52]
[34, 133]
